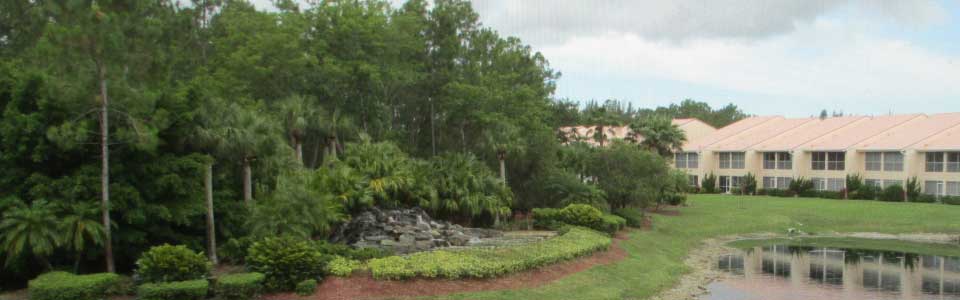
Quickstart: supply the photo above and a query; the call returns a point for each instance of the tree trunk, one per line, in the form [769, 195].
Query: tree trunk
[211, 227]
[105, 167]
[299, 147]
[503, 171]
[247, 184]
[76, 262]
[433, 129]
[316, 154]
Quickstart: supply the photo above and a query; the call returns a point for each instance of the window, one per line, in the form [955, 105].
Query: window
[769, 160]
[819, 161]
[783, 183]
[769, 183]
[776, 183]
[680, 160]
[729, 183]
[777, 160]
[731, 160]
[828, 184]
[834, 161]
[892, 161]
[933, 187]
[784, 161]
[836, 184]
[873, 182]
[934, 161]
[953, 188]
[693, 180]
[953, 162]
[693, 160]
[889, 183]
[874, 161]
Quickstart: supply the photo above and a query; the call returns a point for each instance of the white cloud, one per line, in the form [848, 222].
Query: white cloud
[544, 22]
[823, 62]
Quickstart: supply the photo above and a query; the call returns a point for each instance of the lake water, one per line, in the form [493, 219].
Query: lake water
[782, 272]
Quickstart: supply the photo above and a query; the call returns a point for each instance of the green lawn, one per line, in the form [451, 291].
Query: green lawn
[656, 257]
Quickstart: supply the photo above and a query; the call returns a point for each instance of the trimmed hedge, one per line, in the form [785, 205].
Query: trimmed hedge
[582, 215]
[307, 287]
[486, 263]
[547, 218]
[67, 286]
[242, 286]
[177, 290]
[633, 217]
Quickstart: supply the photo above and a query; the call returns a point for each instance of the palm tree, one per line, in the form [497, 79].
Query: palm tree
[245, 134]
[334, 128]
[387, 168]
[603, 122]
[503, 138]
[30, 229]
[300, 115]
[658, 134]
[79, 229]
[295, 208]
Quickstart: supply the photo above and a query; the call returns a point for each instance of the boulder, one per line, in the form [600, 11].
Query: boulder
[406, 230]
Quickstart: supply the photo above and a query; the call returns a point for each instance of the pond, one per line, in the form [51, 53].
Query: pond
[837, 268]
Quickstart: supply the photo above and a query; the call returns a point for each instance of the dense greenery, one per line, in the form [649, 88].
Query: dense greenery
[655, 257]
[168, 263]
[66, 286]
[286, 261]
[342, 266]
[486, 263]
[240, 286]
[306, 287]
[127, 125]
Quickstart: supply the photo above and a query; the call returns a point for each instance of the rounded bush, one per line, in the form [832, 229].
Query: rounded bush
[285, 261]
[306, 287]
[167, 263]
[241, 286]
[342, 267]
[581, 215]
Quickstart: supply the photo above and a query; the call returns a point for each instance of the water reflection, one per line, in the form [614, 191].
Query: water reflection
[792, 272]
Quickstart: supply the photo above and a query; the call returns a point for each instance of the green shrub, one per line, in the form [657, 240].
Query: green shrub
[952, 200]
[285, 261]
[168, 263]
[709, 184]
[242, 286]
[830, 194]
[361, 254]
[612, 223]
[342, 266]
[581, 215]
[66, 286]
[892, 193]
[924, 199]
[801, 186]
[235, 250]
[306, 287]
[633, 217]
[486, 263]
[547, 218]
[177, 290]
[866, 192]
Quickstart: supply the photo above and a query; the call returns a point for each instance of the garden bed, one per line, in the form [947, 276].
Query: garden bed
[364, 286]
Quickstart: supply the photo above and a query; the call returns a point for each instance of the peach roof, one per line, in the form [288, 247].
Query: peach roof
[911, 132]
[847, 136]
[726, 132]
[758, 134]
[947, 140]
[808, 131]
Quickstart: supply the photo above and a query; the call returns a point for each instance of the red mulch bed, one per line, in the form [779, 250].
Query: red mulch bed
[363, 286]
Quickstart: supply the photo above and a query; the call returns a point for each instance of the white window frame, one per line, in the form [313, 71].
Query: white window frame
[732, 160]
[873, 161]
[892, 161]
[934, 162]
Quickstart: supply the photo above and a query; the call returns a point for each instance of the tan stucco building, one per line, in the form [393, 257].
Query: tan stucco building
[883, 150]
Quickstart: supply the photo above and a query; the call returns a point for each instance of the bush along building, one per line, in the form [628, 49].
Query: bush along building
[917, 155]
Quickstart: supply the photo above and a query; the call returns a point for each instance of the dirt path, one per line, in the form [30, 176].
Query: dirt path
[363, 286]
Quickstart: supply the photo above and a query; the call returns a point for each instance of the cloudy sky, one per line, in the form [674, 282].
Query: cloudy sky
[785, 57]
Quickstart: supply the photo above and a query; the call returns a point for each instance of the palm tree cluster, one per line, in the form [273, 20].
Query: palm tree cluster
[40, 228]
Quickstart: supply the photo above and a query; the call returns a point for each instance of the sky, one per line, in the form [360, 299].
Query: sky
[784, 57]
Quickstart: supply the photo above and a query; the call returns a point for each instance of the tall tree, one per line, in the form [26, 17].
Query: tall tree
[247, 133]
[300, 115]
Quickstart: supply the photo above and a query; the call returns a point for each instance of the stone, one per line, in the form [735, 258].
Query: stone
[423, 236]
[406, 230]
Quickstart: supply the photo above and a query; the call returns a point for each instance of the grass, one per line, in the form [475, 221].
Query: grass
[655, 260]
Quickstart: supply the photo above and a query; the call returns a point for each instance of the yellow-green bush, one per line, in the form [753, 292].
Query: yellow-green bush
[342, 266]
[486, 263]
[66, 286]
